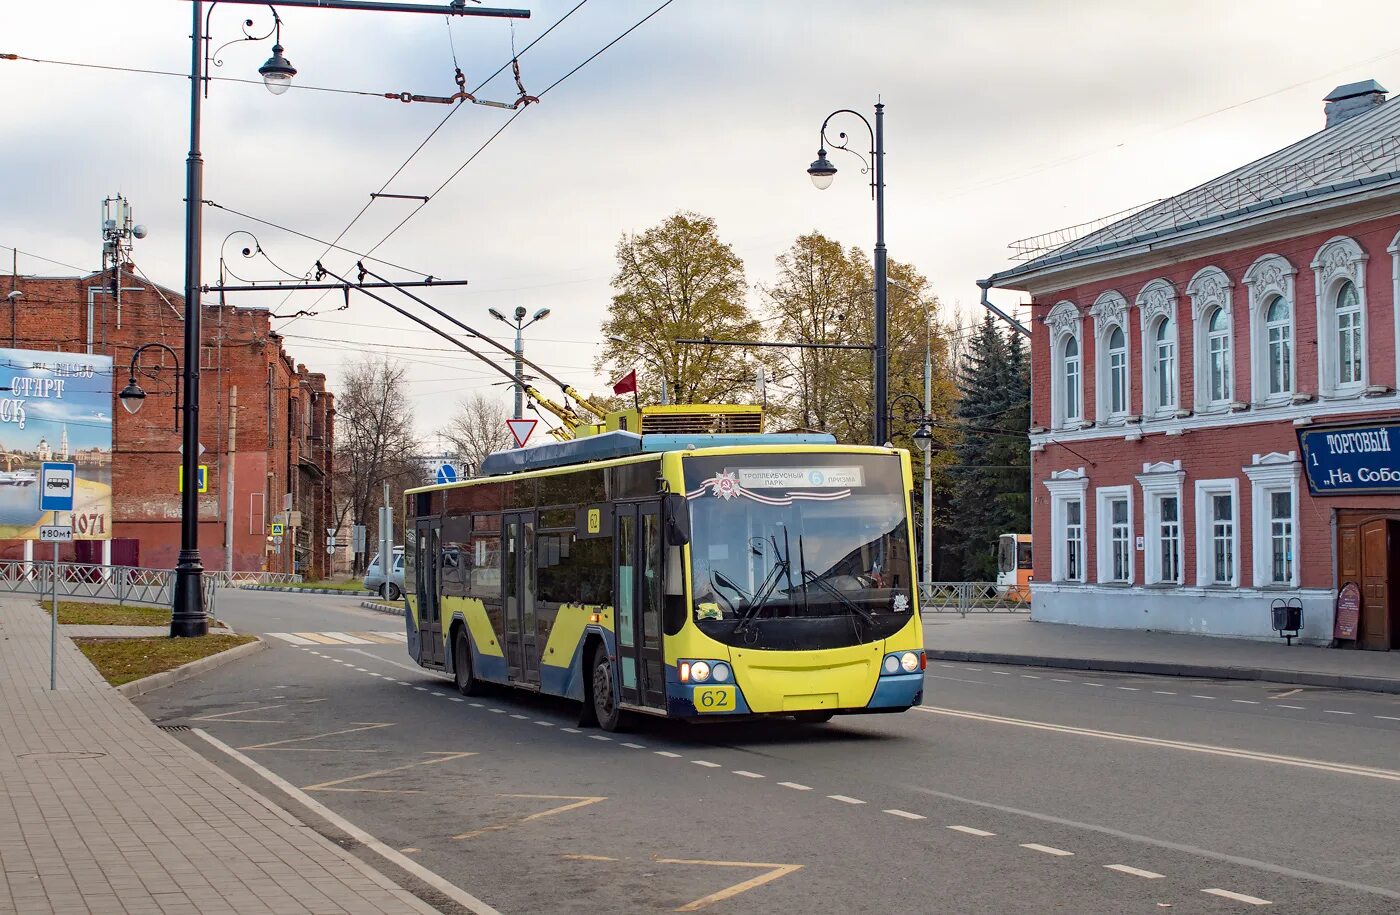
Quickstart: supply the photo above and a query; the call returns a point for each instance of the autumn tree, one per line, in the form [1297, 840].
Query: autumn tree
[375, 442]
[477, 429]
[678, 280]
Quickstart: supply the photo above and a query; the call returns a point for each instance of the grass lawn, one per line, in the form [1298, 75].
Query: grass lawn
[124, 660]
[352, 585]
[81, 613]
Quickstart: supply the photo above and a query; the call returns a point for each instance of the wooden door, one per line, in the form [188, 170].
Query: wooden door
[1375, 585]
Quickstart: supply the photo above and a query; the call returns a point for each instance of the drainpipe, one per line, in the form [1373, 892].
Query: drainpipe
[1015, 325]
[231, 457]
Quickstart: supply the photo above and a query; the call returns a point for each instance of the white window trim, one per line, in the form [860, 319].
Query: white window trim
[1064, 320]
[1158, 480]
[1067, 486]
[1103, 523]
[1158, 299]
[1339, 261]
[1205, 533]
[1270, 473]
[1111, 310]
[1394, 251]
[1269, 276]
[1209, 289]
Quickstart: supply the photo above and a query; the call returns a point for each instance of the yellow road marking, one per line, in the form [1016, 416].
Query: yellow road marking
[318, 638]
[223, 716]
[774, 872]
[1291, 692]
[587, 858]
[578, 801]
[279, 744]
[1390, 775]
[443, 756]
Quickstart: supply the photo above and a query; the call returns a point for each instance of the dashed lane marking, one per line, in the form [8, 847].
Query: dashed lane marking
[1339, 768]
[439, 695]
[1299, 708]
[569, 730]
[521, 717]
[844, 799]
[1030, 676]
[668, 754]
[498, 711]
[1245, 701]
[905, 814]
[457, 699]
[475, 705]
[1202, 697]
[795, 786]
[1332, 711]
[599, 737]
[971, 831]
[747, 774]
[1163, 692]
[630, 746]
[1002, 673]
[545, 724]
[1058, 680]
[1094, 684]
[1387, 718]
[1238, 897]
[706, 763]
[1134, 871]
[1047, 849]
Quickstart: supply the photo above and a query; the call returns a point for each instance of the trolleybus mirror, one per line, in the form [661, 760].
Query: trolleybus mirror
[675, 514]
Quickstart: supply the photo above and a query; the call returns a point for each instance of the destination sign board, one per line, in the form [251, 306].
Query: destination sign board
[1351, 459]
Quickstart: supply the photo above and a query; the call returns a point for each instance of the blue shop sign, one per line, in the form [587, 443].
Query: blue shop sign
[1351, 459]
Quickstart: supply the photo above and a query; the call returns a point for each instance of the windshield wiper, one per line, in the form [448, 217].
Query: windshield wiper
[831, 589]
[765, 591]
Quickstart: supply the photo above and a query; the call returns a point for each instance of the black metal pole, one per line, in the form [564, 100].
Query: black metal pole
[187, 615]
[882, 355]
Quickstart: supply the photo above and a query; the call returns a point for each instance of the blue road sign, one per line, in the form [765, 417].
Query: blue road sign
[1351, 459]
[58, 481]
[446, 473]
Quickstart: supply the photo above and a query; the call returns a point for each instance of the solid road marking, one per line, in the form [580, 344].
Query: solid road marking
[1134, 871]
[795, 786]
[451, 891]
[774, 872]
[971, 831]
[280, 744]
[1238, 897]
[443, 756]
[1058, 852]
[1291, 692]
[905, 814]
[1389, 775]
[578, 801]
[845, 800]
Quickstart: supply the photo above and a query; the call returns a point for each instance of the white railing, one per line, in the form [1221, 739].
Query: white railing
[123, 584]
[973, 597]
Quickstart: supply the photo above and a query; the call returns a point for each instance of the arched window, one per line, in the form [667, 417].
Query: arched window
[1164, 364]
[1350, 346]
[1117, 372]
[1070, 389]
[1218, 357]
[1278, 341]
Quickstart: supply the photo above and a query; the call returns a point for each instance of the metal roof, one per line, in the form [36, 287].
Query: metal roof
[1361, 152]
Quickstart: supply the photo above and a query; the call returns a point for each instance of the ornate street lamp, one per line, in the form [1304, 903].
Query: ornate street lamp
[133, 396]
[823, 173]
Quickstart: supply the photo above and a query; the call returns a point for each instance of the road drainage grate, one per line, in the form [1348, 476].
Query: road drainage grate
[173, 728]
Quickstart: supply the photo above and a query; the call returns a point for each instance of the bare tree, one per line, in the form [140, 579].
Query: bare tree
[375, 443]
[477, 429]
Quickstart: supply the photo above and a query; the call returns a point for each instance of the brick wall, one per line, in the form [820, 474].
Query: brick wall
[274, 455]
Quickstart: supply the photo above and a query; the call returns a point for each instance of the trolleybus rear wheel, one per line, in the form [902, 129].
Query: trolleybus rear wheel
[605, 707]
[467, 684]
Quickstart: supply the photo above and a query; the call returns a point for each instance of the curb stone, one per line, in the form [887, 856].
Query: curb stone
[1166, 668]
[375, 605]
[343, 591]
[192, 669]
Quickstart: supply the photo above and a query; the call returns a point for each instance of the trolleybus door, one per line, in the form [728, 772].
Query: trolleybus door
[428, 589]
[518, 598]
[638, 602]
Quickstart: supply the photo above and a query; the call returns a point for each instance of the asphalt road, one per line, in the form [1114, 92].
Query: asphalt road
[1011, 790]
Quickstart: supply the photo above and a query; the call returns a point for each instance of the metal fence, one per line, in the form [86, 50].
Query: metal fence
[973, 597]
[123, 584]
[239, 579]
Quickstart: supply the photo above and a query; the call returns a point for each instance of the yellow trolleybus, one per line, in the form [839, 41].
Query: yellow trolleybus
[695, 576]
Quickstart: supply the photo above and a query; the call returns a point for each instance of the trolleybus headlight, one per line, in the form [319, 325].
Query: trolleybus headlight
[699, 671]
[891, 664]
[909, 661]
[720, 672]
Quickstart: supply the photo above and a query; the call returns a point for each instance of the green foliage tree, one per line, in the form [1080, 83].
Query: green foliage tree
[990, 481]
[679, 280]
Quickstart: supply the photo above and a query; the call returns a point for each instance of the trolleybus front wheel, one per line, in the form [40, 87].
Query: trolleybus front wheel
[467, 684]
[605, 707]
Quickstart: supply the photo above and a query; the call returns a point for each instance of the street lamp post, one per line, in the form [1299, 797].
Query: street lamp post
[822, 172]
[520, 324]
[187, 616]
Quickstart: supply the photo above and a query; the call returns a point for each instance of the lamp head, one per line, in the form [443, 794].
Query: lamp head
[542, 313]
[132, 397]
[496, 314]
[277, 73]
[923, 437]
[822, 171]
[16, 294]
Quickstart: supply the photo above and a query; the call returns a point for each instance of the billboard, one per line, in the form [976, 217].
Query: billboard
[55, 407]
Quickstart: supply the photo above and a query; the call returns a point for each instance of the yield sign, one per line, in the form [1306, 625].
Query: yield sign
[520, 430]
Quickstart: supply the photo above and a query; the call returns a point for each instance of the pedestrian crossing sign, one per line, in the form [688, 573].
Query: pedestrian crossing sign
[203, 478]
[277, 529]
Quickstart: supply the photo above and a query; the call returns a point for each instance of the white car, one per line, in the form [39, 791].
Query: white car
[392, 588]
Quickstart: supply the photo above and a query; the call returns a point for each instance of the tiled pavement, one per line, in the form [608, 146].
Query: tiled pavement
[101, 812]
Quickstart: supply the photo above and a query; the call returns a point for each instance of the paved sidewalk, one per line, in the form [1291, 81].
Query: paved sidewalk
[1016, 639]
[101, 812]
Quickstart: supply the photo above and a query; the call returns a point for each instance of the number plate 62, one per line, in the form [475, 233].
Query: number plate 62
[714, 699]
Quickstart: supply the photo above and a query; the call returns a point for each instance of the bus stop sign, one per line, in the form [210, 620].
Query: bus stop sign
[57, 483]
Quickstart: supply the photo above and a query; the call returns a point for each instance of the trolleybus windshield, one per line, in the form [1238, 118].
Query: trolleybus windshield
[799, 551]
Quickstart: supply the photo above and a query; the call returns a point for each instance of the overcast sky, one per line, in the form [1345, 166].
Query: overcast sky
[1004, 119]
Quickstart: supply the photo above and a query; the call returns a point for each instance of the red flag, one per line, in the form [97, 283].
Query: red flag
[627, 384]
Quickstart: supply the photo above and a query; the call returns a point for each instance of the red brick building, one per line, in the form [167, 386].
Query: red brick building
[1177, 355]
[266, 423]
